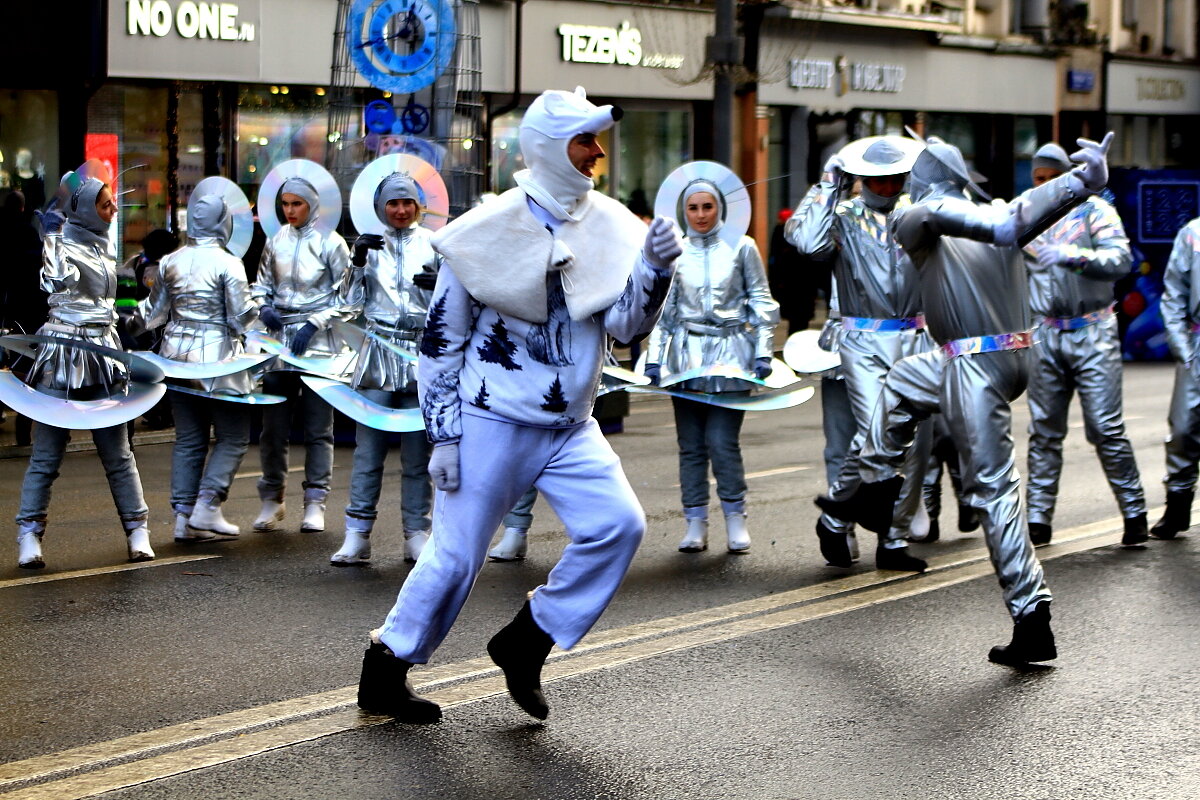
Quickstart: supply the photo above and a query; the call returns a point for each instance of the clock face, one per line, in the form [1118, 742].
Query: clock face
[401, 45]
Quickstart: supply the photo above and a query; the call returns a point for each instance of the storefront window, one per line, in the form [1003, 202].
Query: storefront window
[29, 144]
[1025, 144]
[277, 123]
[137, 117]
[653, 143]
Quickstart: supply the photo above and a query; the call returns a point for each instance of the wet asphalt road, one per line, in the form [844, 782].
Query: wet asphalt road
[866, 690]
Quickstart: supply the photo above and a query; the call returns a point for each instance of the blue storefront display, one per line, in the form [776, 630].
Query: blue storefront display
[1154, 204]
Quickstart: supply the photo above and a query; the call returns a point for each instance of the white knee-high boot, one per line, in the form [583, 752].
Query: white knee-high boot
[512, 545]
[314, 510]
[183, 533]
[356, 549]
[272, 513]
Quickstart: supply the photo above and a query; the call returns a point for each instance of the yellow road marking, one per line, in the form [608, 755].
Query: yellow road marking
[93, 571]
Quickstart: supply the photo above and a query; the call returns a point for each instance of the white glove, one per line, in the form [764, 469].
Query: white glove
[443, 466]
[1092, 158]
[834, 168]
[662, 243]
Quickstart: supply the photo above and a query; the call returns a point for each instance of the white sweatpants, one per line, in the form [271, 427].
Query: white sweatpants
[581, 478]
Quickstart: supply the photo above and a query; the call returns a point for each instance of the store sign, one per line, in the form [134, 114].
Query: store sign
[1081, 80]
[1160, 89]
[189, 19]
[596, 44]
[843, 76]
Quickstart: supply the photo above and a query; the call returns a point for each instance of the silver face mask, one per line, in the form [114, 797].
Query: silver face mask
[877, 202]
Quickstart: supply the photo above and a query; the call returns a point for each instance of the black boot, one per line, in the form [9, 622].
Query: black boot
[1032, 640]
[898, 559]
[1039, 533]
[1178, 516]
[384, 688]
[1135, 531]
[968, 519]
[834, 547]
[871, 505]
[520, 649]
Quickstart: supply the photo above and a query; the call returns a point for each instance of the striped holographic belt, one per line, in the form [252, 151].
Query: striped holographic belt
[1075, 323]
[988, 344]
[884, 325]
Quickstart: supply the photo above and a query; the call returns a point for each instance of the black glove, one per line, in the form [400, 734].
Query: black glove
[762, 367]
[425, 280]
[365, 242]
[653, 372]
[270, 318]
[302, 338]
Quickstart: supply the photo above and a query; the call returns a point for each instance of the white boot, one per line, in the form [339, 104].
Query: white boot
[137, 536]
[314, 510]
[185, 534]
[271, 515]
[737, 537]
[207, 516]
[695, 539]
[736, 533]
[918, 529]
[512, 545]
[356, 549]
[29, 545]
[414, 543]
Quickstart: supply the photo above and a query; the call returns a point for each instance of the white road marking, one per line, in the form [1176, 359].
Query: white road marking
[93, 571]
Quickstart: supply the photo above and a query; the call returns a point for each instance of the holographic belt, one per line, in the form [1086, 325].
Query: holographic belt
[988, 344]
[884, 325]
[1075, 323]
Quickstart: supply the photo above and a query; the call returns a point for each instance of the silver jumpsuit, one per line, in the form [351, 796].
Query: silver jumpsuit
[879, 299]
[976, 303]
[394, 308]
[1180, 307]
[719, 311]
[300, 274]
[201, 294]
[1077, 350]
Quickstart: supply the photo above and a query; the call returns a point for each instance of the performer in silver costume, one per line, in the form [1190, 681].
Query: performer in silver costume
[389, 283]
[200, 292]
[879, 300]
[1180, 307]
[1072, 267]
[719, 313]
[976, 301]
[296, 290]
[79, 273]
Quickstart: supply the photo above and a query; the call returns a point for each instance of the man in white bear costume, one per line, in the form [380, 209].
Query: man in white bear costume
[535, 282]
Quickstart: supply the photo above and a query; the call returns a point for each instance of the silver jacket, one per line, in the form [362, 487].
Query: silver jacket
[300, 274]
[394, 307]
[1094, 253]
[79, 272]
[875, 278]
[719, 312]
[201, 294]
[1180, 303]
[971, 287]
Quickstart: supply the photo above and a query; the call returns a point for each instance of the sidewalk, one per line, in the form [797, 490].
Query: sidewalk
[80, 440]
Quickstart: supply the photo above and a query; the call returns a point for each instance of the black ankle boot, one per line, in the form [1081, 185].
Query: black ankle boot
[834, 547]
[520, 649]
[871, 505]
[1039, 533]
[384, 688]
[968, 519]
[1135, 531]
[898, 559]
[1178, 516]
[1032, 640]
